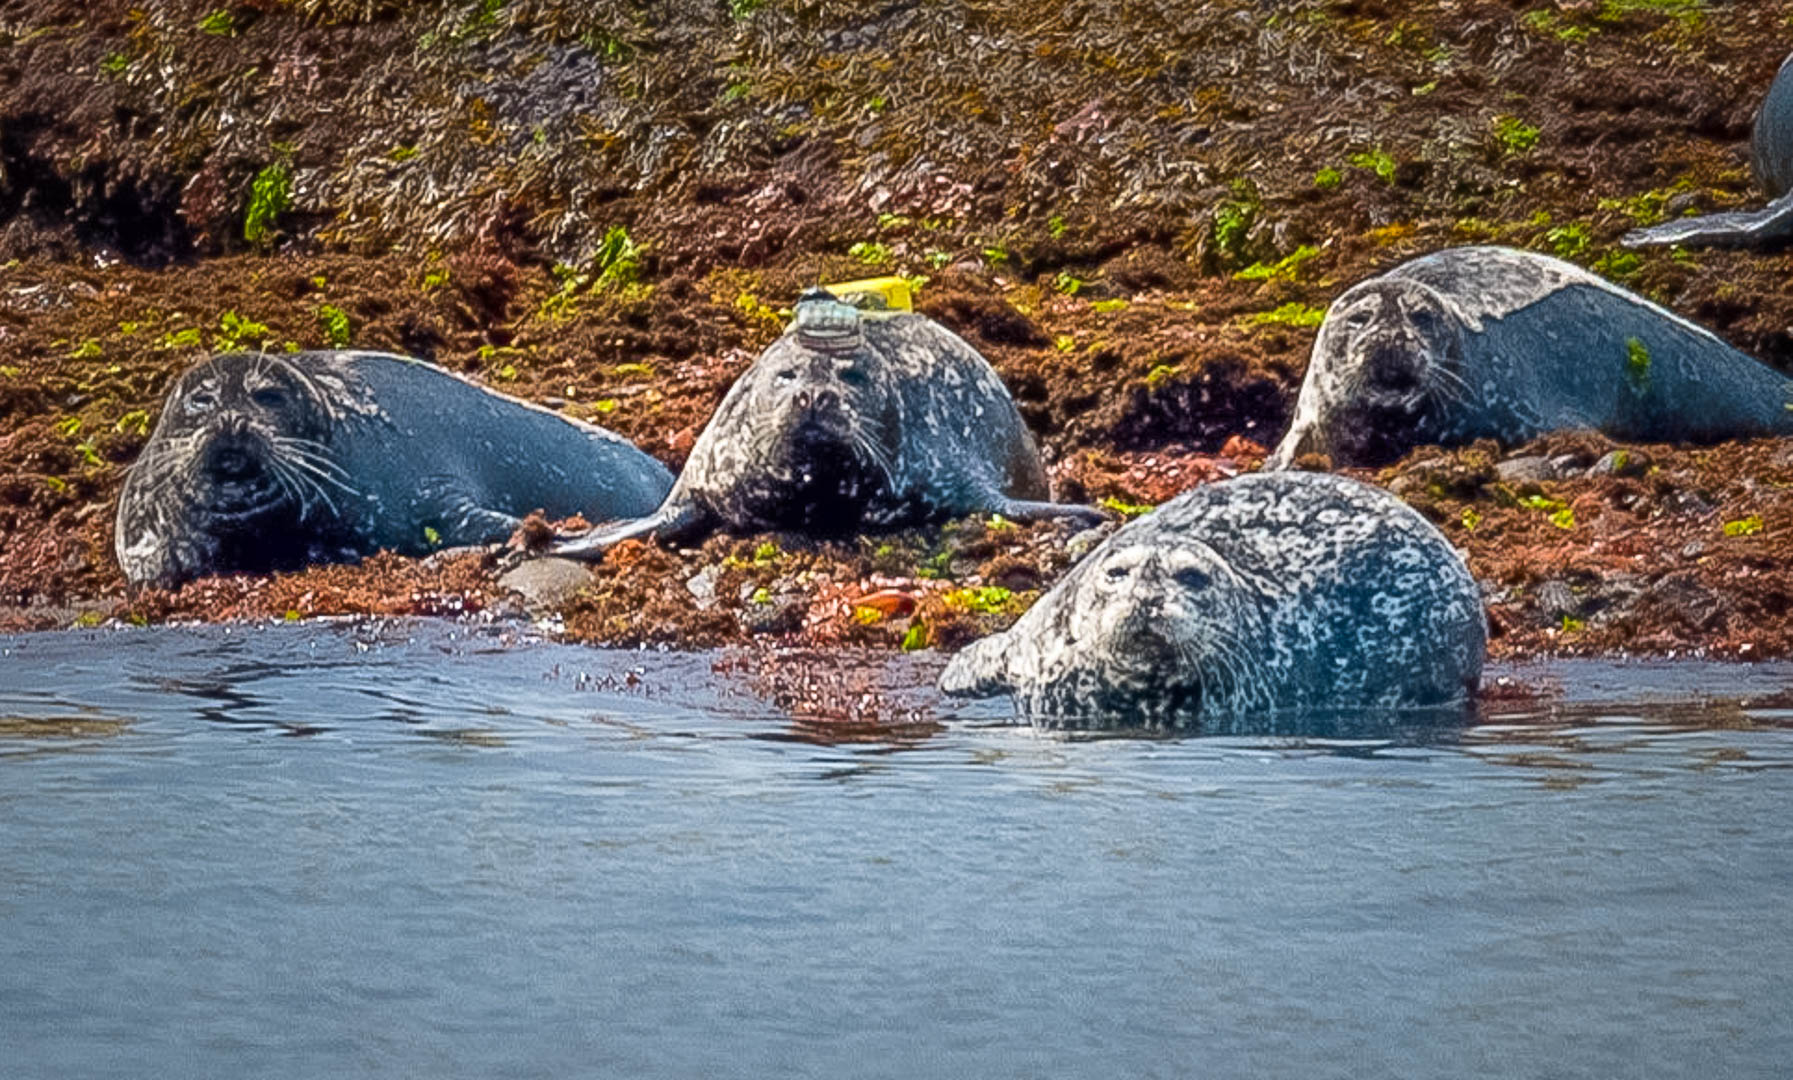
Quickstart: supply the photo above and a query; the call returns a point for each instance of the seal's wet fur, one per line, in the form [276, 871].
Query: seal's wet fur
[1492, 342]
[1269, 593]
[852, 420]
[265, 462]
[1771, 156]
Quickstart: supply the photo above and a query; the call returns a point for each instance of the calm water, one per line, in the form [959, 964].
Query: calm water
[401, 851]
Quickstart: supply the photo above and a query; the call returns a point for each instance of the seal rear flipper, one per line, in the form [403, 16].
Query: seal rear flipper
[980, 670]
[668, 523]
[1769, 227]
[1036, 510]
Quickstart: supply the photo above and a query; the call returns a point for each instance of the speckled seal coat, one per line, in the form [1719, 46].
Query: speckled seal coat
[1481, 342]
[1269, 592]
[852, 420]
[262, 462]
[1771, 154]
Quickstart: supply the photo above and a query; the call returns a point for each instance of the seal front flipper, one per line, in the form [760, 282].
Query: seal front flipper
[671, 522]
[1769, 227]
[980, 670]
[447, 515]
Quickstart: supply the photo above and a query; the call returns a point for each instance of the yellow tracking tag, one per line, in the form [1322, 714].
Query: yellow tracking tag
[888, 293]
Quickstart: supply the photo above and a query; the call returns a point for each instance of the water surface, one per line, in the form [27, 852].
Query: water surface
[418, 850]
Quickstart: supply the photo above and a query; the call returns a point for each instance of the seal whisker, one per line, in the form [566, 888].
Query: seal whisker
[303, 471]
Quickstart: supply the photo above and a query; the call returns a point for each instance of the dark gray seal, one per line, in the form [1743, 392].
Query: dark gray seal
[1270, 592]
[266, 462]
[1481, 342]
[1771, 156]
[852, 420]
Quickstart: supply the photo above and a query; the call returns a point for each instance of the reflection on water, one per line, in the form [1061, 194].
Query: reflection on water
[494, 857]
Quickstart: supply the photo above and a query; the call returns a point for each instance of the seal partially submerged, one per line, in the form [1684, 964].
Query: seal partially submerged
[1771, 156]
[1491, 342]
[852, 420]
[272, 461]
[1269, 592]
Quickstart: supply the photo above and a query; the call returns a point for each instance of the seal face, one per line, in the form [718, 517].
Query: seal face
[1771, 156]
[1274, 592]
[852, 420]
[1492, 342]
[264, 462]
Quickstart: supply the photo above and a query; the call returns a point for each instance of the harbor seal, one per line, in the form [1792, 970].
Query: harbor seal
[264, 462]
[1271, 592]
[1481, 342]
[852, 420]
[1771, 158]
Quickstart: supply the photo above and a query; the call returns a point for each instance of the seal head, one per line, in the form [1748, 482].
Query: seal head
[826, 424]
[1160, 621]
[1388, 362]
[239, 471]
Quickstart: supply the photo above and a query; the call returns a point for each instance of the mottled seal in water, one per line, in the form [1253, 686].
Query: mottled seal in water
[273, 461]
[1772, 157]
[852, 420]
[1490, 342]
[1270, 592]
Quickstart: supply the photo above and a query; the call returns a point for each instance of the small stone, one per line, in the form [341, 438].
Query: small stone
[1555, 600]
[1681, 204]
[1620, 463]
[1693, 550]
[702, 586]
[1080, 544]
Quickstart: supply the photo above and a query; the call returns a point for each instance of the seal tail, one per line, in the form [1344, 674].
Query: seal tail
[667, 523]
[1769, 227]
[980, 670]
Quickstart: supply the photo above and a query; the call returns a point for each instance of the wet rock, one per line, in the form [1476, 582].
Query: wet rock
[546, 583]
[1688, 504]
[1681, 598]
[1532, 467]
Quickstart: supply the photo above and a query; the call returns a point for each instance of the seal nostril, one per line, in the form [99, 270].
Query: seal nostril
[803, 399]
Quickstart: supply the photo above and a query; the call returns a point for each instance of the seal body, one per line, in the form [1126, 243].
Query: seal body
[852, 420]
[1271, 592]
[1481, 342]
[1771, 156]
[265, 462]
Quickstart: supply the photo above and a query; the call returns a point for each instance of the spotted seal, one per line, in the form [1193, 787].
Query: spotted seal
[1481, 342]
[852, 420]
[1771, 156]
[1270, 592]
[265, 462]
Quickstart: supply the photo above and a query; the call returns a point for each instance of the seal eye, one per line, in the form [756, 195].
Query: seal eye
[1191, 578]
[1118, 573]
[269, 397]
[787, 375]
[853, 376]
[1423, 320]
[200, 401]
